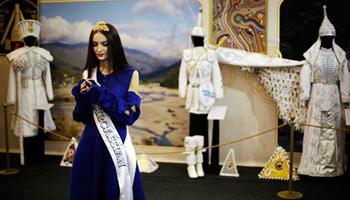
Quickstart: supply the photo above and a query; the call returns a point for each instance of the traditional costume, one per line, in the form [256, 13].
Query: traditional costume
[30, 84]
[200, 81]
[325, 83]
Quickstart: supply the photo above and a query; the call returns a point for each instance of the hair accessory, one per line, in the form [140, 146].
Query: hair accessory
[101, 26]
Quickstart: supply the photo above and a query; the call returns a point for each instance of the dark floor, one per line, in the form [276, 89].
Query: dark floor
[49, 181]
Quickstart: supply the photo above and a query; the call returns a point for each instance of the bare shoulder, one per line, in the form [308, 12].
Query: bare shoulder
[134, 82]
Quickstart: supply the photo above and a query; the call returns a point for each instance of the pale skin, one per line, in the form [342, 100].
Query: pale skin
[101, 51]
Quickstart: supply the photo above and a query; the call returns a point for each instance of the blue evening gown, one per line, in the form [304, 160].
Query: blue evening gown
[93, 175]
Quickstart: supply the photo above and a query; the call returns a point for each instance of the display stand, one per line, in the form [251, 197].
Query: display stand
[290, 194]
[34, 147]
[8, 170]
[216, 114]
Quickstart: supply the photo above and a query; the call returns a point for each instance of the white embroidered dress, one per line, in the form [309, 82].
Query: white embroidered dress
[324, 149]
[30, 86]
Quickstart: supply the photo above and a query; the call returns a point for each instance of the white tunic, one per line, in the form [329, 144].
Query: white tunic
[200, 79]
[30, 86]
[324, 149]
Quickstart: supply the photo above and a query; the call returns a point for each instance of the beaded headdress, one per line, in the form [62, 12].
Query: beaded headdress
[327, 28]
[29, 27]
[101, 26]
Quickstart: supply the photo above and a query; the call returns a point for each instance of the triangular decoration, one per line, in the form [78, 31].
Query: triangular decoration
[69, 153]
[277, 168]
[146, 164]
[229, 168]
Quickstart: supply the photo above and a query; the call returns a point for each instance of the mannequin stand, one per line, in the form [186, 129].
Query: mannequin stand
[199, 126]
[213, 165]
[8, 170]
[34, 147]
[216, 114]
[290, 194]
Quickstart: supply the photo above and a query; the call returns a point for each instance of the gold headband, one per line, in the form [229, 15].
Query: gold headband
[101, 26]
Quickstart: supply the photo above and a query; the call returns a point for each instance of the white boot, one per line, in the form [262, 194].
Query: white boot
[190, 145]
[199, 154]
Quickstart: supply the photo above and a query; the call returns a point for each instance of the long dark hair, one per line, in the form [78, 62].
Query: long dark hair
[116, 56]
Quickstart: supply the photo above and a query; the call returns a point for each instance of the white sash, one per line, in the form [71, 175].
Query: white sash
[123, 155]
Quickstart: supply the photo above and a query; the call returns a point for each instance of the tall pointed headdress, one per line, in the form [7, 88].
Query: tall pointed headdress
[327, 28]
[198, 29]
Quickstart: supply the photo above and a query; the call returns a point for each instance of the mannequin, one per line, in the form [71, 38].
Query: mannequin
[325, 85]
[30, 87]
[30, 41]
[200, 82]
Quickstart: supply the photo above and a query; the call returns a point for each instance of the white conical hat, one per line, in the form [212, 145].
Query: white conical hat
[198, 29]
[29, 27]
[327, 28]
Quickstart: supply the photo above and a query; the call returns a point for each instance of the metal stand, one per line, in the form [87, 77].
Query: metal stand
[214, 167]
[8, 170]
[290, 194]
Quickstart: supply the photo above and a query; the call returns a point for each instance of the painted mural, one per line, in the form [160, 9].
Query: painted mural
[242, 22]
[153, 33]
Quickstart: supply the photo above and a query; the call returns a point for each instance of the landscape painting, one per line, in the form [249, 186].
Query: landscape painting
[153, 32]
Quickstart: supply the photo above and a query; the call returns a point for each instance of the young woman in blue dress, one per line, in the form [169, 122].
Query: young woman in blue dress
[107, 101]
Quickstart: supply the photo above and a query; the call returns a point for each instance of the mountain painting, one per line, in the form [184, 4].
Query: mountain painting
[153, 33]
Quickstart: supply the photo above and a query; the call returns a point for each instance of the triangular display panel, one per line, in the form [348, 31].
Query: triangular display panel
[229, 168]
[146, 164]
[277, 168]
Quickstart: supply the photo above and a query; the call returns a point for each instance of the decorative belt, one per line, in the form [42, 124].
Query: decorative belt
[25, 81]
[327, 81]
[195, 85]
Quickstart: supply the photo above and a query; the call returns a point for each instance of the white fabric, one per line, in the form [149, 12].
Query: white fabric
[123, 155]
[190, 146]
[324, 149]
[199, 67]
[40, 51]
[238, 57]
[283, 85]
[279, 76]
[199, 144]
[29, 86]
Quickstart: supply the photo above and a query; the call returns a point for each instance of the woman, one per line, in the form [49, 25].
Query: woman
[105, 166]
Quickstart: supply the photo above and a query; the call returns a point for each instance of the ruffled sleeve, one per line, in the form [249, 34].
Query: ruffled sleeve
[83, 108]
[123, 109]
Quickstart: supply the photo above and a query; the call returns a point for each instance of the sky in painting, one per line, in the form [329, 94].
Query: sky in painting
[158, 27]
